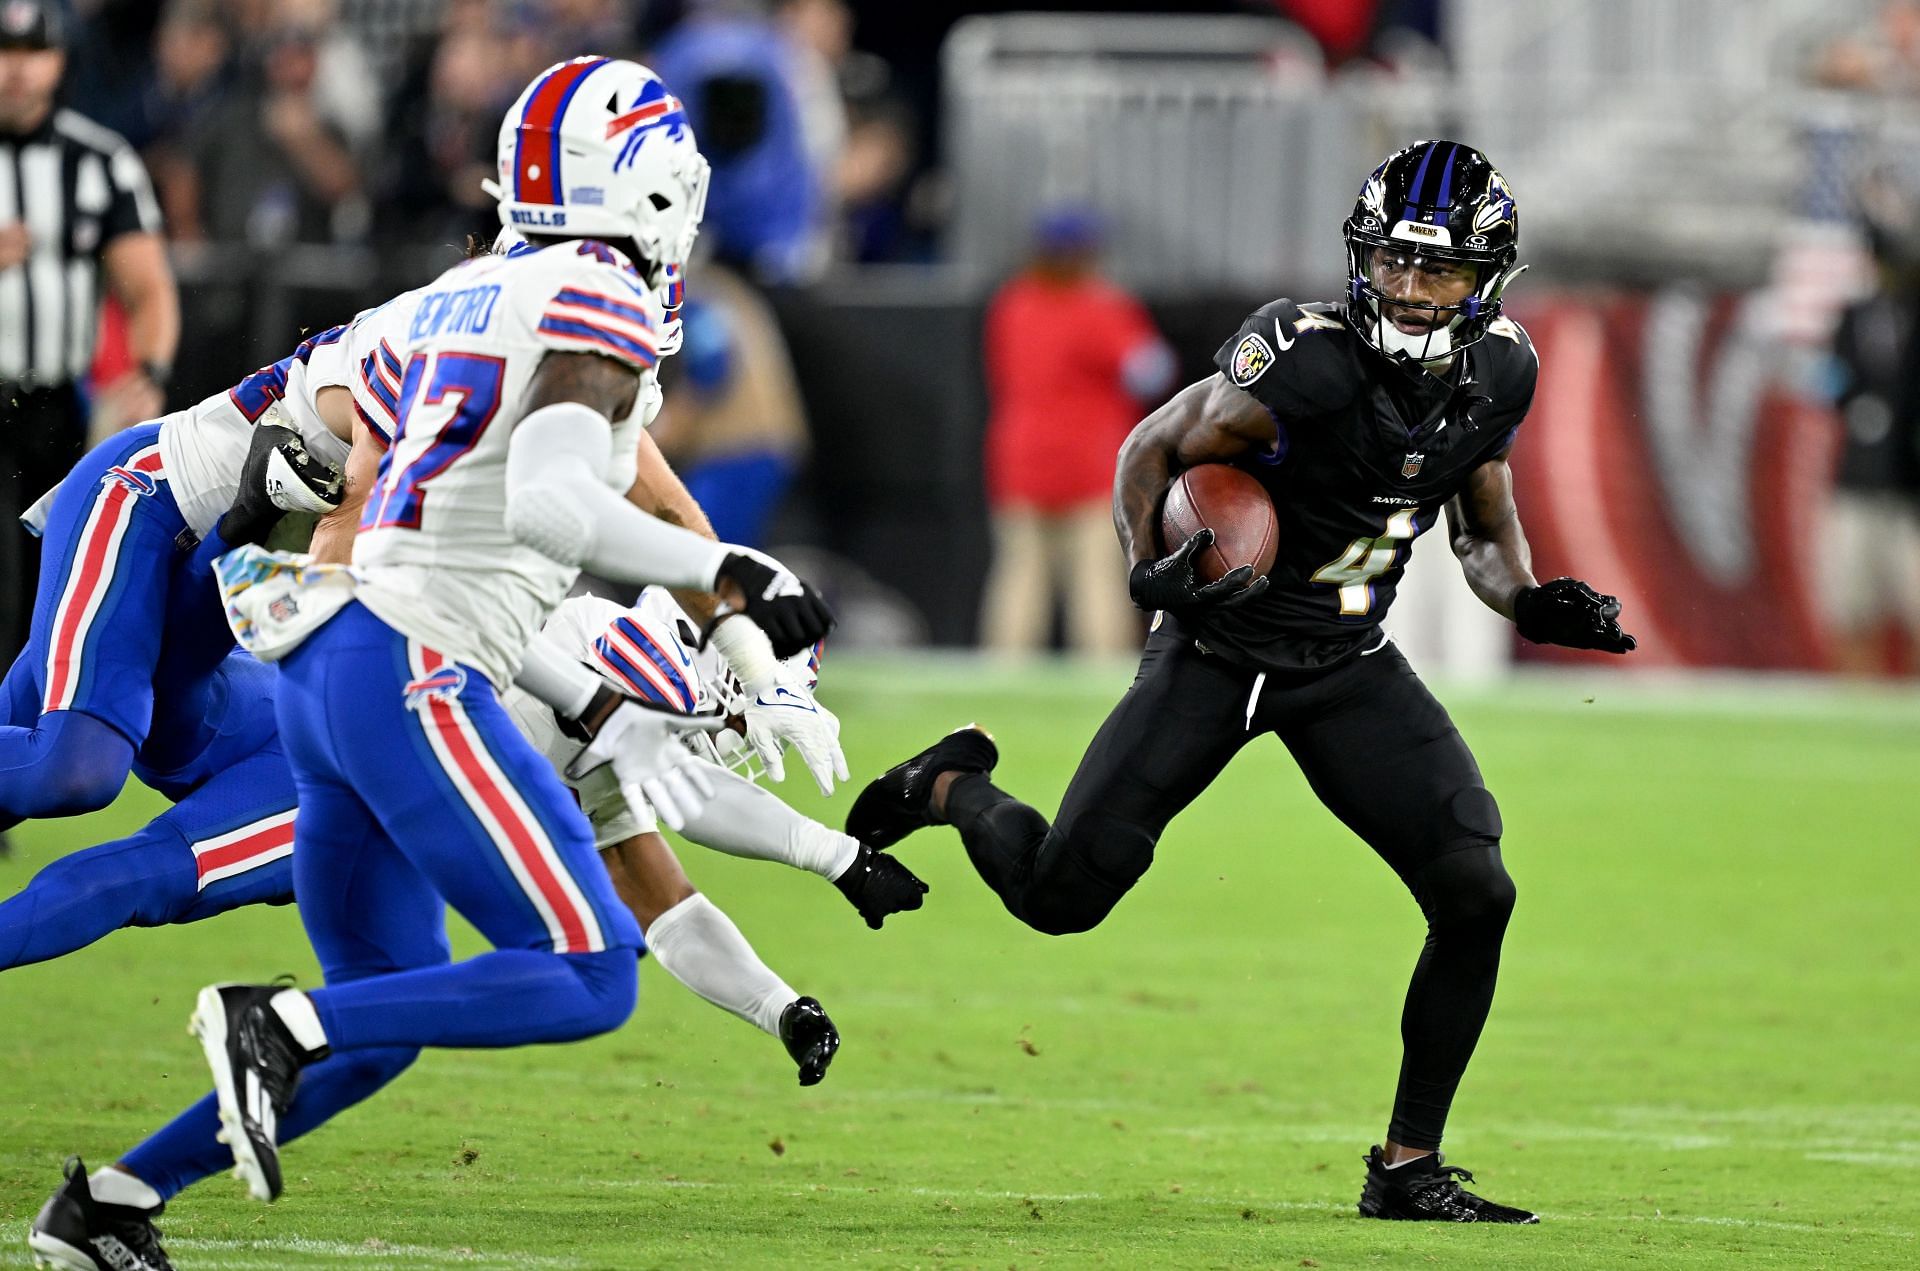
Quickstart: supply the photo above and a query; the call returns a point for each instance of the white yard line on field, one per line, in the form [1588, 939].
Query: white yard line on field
[370, 1255]
[1252, 1202]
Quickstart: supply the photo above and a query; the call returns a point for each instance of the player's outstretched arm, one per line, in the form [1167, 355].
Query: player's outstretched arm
[558, 503]
[1494, 556]
[1211, 421]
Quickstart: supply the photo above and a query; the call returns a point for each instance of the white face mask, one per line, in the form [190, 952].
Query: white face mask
[1432, 349]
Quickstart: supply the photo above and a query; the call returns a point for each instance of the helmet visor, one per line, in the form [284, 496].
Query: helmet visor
[1418, 293]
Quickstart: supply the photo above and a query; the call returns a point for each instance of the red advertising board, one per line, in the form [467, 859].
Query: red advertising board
[1666, 462]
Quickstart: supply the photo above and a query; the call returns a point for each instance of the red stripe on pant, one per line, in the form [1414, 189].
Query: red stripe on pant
[265, 843]
[573, 930]
[90, 577]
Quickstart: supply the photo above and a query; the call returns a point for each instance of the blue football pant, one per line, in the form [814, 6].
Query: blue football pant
[126, 629]
[227, 844]
[417, 791]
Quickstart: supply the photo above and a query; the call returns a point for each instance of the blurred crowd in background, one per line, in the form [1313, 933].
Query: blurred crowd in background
[1132, 190]
[350, 121]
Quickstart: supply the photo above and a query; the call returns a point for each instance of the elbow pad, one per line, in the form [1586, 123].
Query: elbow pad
[548, 518]
[553, 450]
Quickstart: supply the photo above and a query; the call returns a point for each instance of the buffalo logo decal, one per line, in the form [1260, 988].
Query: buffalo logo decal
[442, 685]
[135, 480]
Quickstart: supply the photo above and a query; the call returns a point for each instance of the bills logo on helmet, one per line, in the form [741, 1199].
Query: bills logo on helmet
[656, 108]
[1251, 359]
[138, 482]
[442, 685]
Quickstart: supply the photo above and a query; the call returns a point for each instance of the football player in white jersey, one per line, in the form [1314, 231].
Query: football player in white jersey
[514, 443]
[778, 711]
[160, 876]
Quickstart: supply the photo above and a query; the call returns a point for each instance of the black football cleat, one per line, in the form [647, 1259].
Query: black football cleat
[810, 1038]
[278, 474]
[75, 1232]
[899, 800]
[256, 1068]
[878, 884]
[1428, 1190]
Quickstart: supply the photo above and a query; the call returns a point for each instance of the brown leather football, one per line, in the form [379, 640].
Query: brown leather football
[1234, 506]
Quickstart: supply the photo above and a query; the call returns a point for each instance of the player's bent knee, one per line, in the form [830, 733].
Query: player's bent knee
[1069, 916]
[1467, 890]
[611, 979]
[82, 767]
[1077, 886]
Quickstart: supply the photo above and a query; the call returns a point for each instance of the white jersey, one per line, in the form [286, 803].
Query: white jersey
[644, 651]
[204, 447]
[434, 555]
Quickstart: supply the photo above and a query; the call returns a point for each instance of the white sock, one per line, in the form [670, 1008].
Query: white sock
[117, 1187]
[1412, 1160]
[700, 947]
[295, 1010]
[743, 820]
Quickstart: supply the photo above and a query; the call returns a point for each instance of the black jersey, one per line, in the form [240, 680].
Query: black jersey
[1369, 454]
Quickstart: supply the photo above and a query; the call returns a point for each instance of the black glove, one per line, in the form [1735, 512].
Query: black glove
[279, 475]
[1172, 583]
[790, 611]
[1568, 612]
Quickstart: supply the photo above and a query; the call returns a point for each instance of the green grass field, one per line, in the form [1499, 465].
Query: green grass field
[1705, 1052]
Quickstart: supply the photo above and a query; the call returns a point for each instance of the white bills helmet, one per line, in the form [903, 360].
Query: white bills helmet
[598, 148]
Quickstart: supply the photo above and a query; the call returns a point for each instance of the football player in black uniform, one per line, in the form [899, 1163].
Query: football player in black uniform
[1363, 420]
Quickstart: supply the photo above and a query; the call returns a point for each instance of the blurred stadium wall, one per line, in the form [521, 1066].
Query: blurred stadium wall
[1686, 199]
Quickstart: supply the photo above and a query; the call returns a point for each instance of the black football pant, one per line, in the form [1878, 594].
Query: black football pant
[1378, 750]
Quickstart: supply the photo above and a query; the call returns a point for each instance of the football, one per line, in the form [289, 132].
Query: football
[1234, 506]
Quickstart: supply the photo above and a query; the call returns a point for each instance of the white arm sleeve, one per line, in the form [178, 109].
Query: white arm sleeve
[743, 820]
[556, 679]
[559, 504]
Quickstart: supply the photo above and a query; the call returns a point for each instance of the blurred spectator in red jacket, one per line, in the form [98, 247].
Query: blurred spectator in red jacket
[1071, 359]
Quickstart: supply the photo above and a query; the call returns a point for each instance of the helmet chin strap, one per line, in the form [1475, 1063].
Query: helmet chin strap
[1429, 349]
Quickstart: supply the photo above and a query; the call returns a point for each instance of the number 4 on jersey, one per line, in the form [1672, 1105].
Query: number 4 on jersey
[1365, 560]
[475, 380]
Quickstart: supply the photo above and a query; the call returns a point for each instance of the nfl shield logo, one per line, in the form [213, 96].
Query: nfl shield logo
[1411, 467]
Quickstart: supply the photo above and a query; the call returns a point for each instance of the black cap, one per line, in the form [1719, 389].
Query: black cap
[30, 24]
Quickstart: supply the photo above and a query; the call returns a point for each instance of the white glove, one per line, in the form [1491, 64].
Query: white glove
[642, 742]
[781, 711]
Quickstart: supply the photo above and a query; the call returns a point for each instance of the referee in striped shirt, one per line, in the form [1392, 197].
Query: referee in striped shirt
[74, 202]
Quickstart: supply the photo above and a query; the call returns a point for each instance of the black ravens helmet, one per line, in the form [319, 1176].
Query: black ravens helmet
[1433, 205]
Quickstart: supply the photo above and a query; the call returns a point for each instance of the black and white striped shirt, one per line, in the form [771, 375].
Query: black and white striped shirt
[77, 187]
